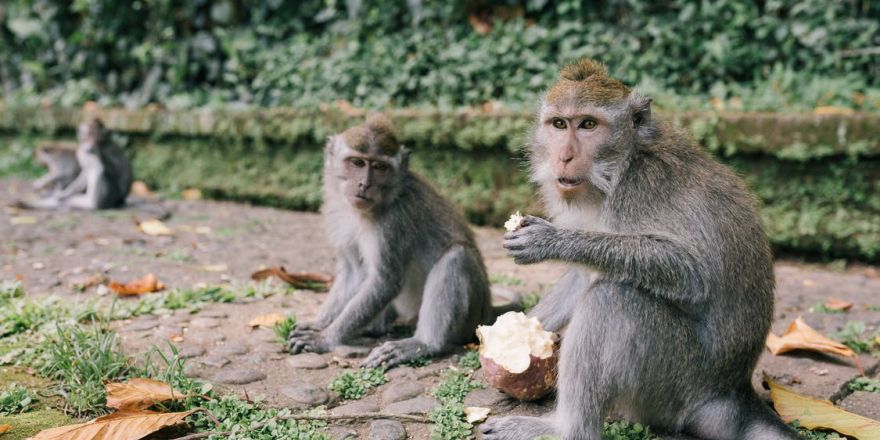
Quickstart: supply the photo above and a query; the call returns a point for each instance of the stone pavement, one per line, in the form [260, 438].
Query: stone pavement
[216, 242]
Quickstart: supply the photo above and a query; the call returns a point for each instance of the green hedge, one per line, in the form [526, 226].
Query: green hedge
[775, 54]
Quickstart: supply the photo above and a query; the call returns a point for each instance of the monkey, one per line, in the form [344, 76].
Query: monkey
[404, 252]
[60, 159]
[670, 292]
[105, 175]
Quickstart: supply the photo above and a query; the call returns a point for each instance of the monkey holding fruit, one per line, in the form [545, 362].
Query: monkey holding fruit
[669, 297]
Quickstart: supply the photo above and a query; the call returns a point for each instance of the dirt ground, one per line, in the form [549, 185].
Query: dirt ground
[223, 243]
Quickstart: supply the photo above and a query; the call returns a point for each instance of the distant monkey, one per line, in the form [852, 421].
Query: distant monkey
[105, 175]
[60, 159]
[404, 252]
[670, 293]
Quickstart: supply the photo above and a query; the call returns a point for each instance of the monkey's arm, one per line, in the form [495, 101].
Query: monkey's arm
[661, 264]
[344, 287]
[556, 306]
[77, 186]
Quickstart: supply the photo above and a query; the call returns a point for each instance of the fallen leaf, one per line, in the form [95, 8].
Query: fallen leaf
[836, 304]
[300, 280]
[154, 227]
[475, 414]
[121, 425]
[214, 268]
[820, 414]
[89, 282]
[22, 220]
[800, 336]
[191, 194]
[5, 428]
[266, 321]
[139, 393]
[176, 338]
[146, 284]
[140, 189]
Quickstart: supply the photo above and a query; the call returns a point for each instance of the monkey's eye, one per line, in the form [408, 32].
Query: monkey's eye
[559, 123]
[380, 166]
[588, 124]
[358, 163]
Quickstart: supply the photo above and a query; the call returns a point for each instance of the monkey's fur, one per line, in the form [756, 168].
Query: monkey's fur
[670, 293]
[60, 159]
[104, 178]
[404, 252]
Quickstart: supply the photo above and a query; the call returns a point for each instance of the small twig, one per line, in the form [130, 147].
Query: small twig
[358, 417]
[207, 414]
[205, 434]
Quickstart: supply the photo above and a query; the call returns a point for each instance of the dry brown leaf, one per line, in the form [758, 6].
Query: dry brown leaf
[5, 428]
[822, 414]
[154, 227]
[146, 284]
[140, 189]
[800, 336]
[176, 338]
[266, 321]
[836, 304]
[121, 425]
[191, 194]
[139, 393]
[300, 280]
[90, 282]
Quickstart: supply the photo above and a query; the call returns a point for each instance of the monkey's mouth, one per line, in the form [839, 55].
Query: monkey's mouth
[569, 183]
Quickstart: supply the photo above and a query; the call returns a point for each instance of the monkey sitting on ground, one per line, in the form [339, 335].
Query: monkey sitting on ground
[669, 330]
[60, 159]
[404, 252]
[105, 175]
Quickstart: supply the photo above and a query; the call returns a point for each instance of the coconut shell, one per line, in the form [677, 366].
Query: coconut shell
[532, 384]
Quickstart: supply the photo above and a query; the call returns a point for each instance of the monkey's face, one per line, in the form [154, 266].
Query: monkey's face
[89, 132]
[367, 181]
[567, 141]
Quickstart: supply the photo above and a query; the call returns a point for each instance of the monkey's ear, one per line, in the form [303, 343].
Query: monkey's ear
[403, 154]
[641, 109]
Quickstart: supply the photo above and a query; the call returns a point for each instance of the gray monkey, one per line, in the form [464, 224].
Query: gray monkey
[60, 159]
[670, 293]
[105, 175]
[404, 253]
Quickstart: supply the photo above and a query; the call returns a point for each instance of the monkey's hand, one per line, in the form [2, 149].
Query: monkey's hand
[311, 326]
[532, 242]
[300, 341]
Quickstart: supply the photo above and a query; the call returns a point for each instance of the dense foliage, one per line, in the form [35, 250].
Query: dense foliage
[760, 54]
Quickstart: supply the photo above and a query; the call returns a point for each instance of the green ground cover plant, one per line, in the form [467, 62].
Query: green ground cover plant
[352, 385]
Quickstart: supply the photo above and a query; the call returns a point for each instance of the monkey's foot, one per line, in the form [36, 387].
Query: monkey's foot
[394, 353]
[300, 341]
[516, 428]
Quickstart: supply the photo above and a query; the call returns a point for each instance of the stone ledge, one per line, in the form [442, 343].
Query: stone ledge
[786, 135]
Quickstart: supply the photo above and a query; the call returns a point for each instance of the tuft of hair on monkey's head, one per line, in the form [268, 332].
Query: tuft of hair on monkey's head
[375, 136]
[586, 81]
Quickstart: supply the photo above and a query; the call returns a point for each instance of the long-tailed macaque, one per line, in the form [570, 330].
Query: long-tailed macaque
[60, 159]
[669, 329]
[404, 252]
[105, 175]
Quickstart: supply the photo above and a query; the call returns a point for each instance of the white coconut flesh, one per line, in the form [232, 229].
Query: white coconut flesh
[513, 339]
[513, 222]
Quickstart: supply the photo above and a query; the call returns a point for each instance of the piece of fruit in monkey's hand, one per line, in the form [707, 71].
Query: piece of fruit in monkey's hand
[518, 356]
[513, 223]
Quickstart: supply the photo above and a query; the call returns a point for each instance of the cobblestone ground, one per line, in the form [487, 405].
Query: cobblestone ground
[216, 242]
